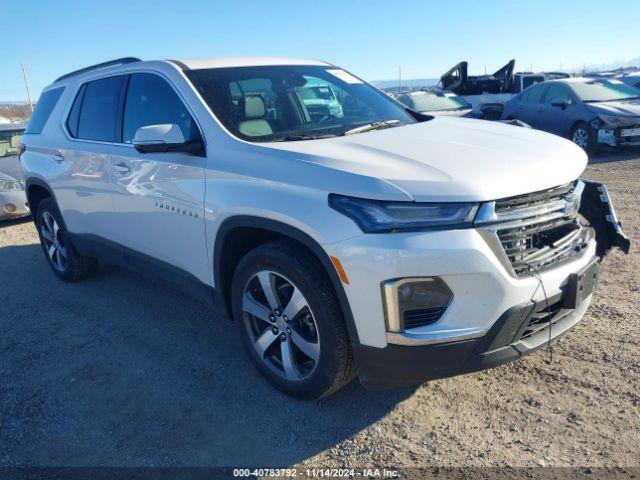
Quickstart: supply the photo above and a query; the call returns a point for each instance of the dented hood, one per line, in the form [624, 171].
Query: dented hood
[450, 159]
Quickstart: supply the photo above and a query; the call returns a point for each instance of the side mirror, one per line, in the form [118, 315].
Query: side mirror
[560, 103]
[166, 137]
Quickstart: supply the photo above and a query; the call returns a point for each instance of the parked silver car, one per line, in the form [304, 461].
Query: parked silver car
[13, 201]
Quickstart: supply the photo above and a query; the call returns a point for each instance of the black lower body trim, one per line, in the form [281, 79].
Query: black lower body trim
[115, 254]
[399, 365]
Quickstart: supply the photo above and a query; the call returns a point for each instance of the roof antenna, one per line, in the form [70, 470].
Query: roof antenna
[26, 84]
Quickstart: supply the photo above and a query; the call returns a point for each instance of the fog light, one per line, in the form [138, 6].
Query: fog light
[414, 302]
[9, 208]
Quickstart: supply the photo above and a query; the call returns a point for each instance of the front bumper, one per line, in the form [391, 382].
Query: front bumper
[508, 339]
[13, 205]
[628, 136]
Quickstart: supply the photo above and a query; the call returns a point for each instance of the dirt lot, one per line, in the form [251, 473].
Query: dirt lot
[117, 370]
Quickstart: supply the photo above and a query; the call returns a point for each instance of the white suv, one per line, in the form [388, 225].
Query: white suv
[367, 239]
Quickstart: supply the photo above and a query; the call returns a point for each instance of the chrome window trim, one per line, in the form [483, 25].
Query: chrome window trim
[76, 90]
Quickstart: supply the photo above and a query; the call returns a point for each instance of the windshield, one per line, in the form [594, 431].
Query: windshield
[285, 103]
[432, 102]
[603, 90]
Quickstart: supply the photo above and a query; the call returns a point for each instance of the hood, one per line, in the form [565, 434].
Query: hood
[629, 108]
[449, 159]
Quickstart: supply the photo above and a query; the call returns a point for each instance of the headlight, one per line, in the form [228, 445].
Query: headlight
[615, 121]
[377, 216]
[10, 186]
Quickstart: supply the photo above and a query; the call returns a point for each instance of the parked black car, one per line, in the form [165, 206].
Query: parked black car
[589, 111]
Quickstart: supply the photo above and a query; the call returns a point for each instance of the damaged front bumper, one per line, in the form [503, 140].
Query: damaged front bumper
[622, 132]
[597, 209]
[522, 323]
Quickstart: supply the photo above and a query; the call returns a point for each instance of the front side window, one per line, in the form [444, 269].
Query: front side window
[558, 92]
[150, 100]
[284, 103]
[43, 110]
[604, 90]
[98, 110]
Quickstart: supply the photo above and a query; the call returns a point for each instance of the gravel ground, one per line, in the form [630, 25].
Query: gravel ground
[120, 371]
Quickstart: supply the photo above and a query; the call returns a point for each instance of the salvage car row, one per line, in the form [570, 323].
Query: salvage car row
[592, 111]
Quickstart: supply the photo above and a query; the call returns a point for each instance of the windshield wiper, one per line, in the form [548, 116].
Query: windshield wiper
[302, 136]
[373, 126]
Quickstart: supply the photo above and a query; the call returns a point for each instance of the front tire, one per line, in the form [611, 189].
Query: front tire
[290, 321]
[584, 136]
[54, 238]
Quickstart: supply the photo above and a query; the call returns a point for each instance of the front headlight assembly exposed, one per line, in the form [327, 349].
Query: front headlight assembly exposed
[615, 121]
[9, 186]
[378, 216]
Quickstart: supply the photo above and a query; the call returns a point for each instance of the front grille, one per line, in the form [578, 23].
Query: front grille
[543, 319]
[422, 316]
[537, 230]
[533, 199]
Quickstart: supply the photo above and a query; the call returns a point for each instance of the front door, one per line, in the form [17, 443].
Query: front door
[159, 197]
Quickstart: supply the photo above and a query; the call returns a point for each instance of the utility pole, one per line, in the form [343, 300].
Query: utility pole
[26, 84]
[399, 76]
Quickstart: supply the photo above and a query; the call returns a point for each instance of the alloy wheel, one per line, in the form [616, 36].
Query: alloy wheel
[50, 231]
[281, 325]
[581, 137]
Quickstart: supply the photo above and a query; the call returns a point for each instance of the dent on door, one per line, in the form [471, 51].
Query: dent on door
[160, 204]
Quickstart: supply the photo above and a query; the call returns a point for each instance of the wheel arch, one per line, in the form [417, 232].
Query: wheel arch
[239, 234]
[36, 191]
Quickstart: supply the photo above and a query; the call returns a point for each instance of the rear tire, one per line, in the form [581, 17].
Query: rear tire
[54, 238]
[308, 355]
[584, 136]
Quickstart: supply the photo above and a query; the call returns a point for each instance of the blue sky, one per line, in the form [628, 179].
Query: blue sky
[370, 38]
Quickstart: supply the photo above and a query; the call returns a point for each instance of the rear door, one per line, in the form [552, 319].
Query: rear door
[556, 119]
[84, 190]
[159, 197]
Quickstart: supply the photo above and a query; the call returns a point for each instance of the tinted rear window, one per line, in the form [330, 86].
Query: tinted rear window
[43, 110]
[74, 115]
[99, 110]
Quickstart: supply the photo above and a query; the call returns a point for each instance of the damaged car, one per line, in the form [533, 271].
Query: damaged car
[588, 111]
[489, 92]
[434, 101]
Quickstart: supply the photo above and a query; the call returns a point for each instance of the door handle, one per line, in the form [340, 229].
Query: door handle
[121, 167]
[58, 158]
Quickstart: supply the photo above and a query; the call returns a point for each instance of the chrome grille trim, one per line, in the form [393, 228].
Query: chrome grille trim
[531, 232]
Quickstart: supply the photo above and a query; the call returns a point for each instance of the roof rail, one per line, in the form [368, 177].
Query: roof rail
[111, 63]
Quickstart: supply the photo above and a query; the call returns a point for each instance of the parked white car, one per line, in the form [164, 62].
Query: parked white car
[380, 242]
